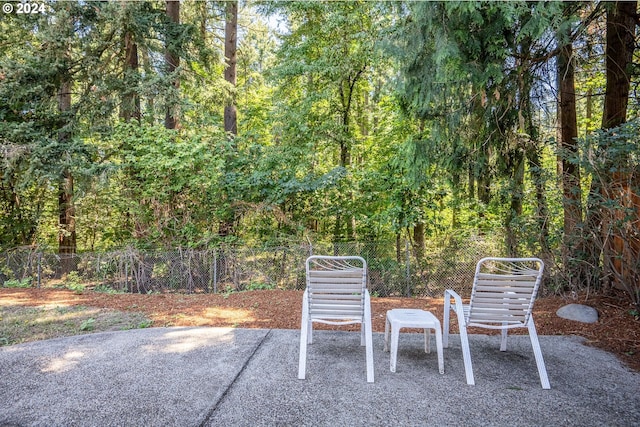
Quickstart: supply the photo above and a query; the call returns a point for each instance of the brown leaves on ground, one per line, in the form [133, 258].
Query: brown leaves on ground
[616, 331]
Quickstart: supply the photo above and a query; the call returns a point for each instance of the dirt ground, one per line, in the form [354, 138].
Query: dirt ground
[617, 330]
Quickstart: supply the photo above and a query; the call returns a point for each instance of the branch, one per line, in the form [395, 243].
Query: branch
[595, 13]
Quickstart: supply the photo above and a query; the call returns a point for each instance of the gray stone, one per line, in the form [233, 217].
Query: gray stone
[578, 312]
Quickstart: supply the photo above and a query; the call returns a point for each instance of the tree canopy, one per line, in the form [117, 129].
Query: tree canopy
[166, 124]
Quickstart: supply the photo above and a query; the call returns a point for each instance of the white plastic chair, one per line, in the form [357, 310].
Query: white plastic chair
[504, 290]
[336, 294]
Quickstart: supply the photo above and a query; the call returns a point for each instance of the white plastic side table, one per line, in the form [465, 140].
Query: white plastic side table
[412, 318]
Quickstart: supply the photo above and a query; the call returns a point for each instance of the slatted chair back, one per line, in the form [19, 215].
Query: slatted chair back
[336, 294]
[336, 289]
[504, 290]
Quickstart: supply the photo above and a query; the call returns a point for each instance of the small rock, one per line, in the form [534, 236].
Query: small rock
[578, 312]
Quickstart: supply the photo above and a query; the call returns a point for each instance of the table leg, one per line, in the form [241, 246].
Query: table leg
[395, 335]
[439, 348]
[427, 340]
[386, 334]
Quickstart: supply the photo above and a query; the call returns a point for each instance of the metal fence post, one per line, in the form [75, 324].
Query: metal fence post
[310, 246]
[39, 267]
[408, 270]
[98, 267]
[215, 271]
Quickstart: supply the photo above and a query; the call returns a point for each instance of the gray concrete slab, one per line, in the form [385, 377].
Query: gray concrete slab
[242, 377]
[144, 377]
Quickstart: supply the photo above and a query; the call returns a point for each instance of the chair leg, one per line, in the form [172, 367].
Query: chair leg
[310, 332]
[427, 340]
[305, 338]
[366, 325]
[386, 335]
[445, 332]
[466, 354]
[537, 352]
[302, 360]
[395, 337]
[503, 340]
[369, 350]
[439, 350]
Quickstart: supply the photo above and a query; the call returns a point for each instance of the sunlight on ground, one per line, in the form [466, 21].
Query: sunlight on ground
[64, 363]
[56, 313]
[47, 314]
[228, 314]
[19, 323]
[231, 317]
[185, 340]
[23, 299]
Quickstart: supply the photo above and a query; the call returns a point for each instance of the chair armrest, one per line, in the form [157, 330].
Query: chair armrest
[458, 306]
[367, 302]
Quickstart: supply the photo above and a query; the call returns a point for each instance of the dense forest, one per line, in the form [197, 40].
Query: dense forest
[165, 124]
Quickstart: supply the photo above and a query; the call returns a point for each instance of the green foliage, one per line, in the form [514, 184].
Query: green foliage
[18, 283]
[612, 158]
[327, 68]
[613, 150]
[103, 288]
[88, 325]
[145, 324]
[176, 178]
[357, 121]
[259, 286]
[73, 282]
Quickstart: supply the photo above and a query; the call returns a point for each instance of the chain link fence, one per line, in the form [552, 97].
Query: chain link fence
[394, 270]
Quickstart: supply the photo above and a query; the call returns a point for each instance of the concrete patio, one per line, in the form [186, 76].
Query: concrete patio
[248, 377]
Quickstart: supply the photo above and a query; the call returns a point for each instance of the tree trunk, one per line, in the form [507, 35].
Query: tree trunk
[481, 169]
[230, 53]
[569, 169]
[621, 25]
[131, 101]
[148, 103]
[531, 146]
[337, 228]
[471, 178]
[346, 92]
[227, 224]
[418, 241]
[172, 61]
[542, 210]
[67, 233]
[484, 188]
[66, 207]
[568, 143]
[534, 162]
[345, 160]
[515, 207]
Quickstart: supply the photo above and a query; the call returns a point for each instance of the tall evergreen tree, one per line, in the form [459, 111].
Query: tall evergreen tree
[172, 60]
[620, 248]
[231, 59]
